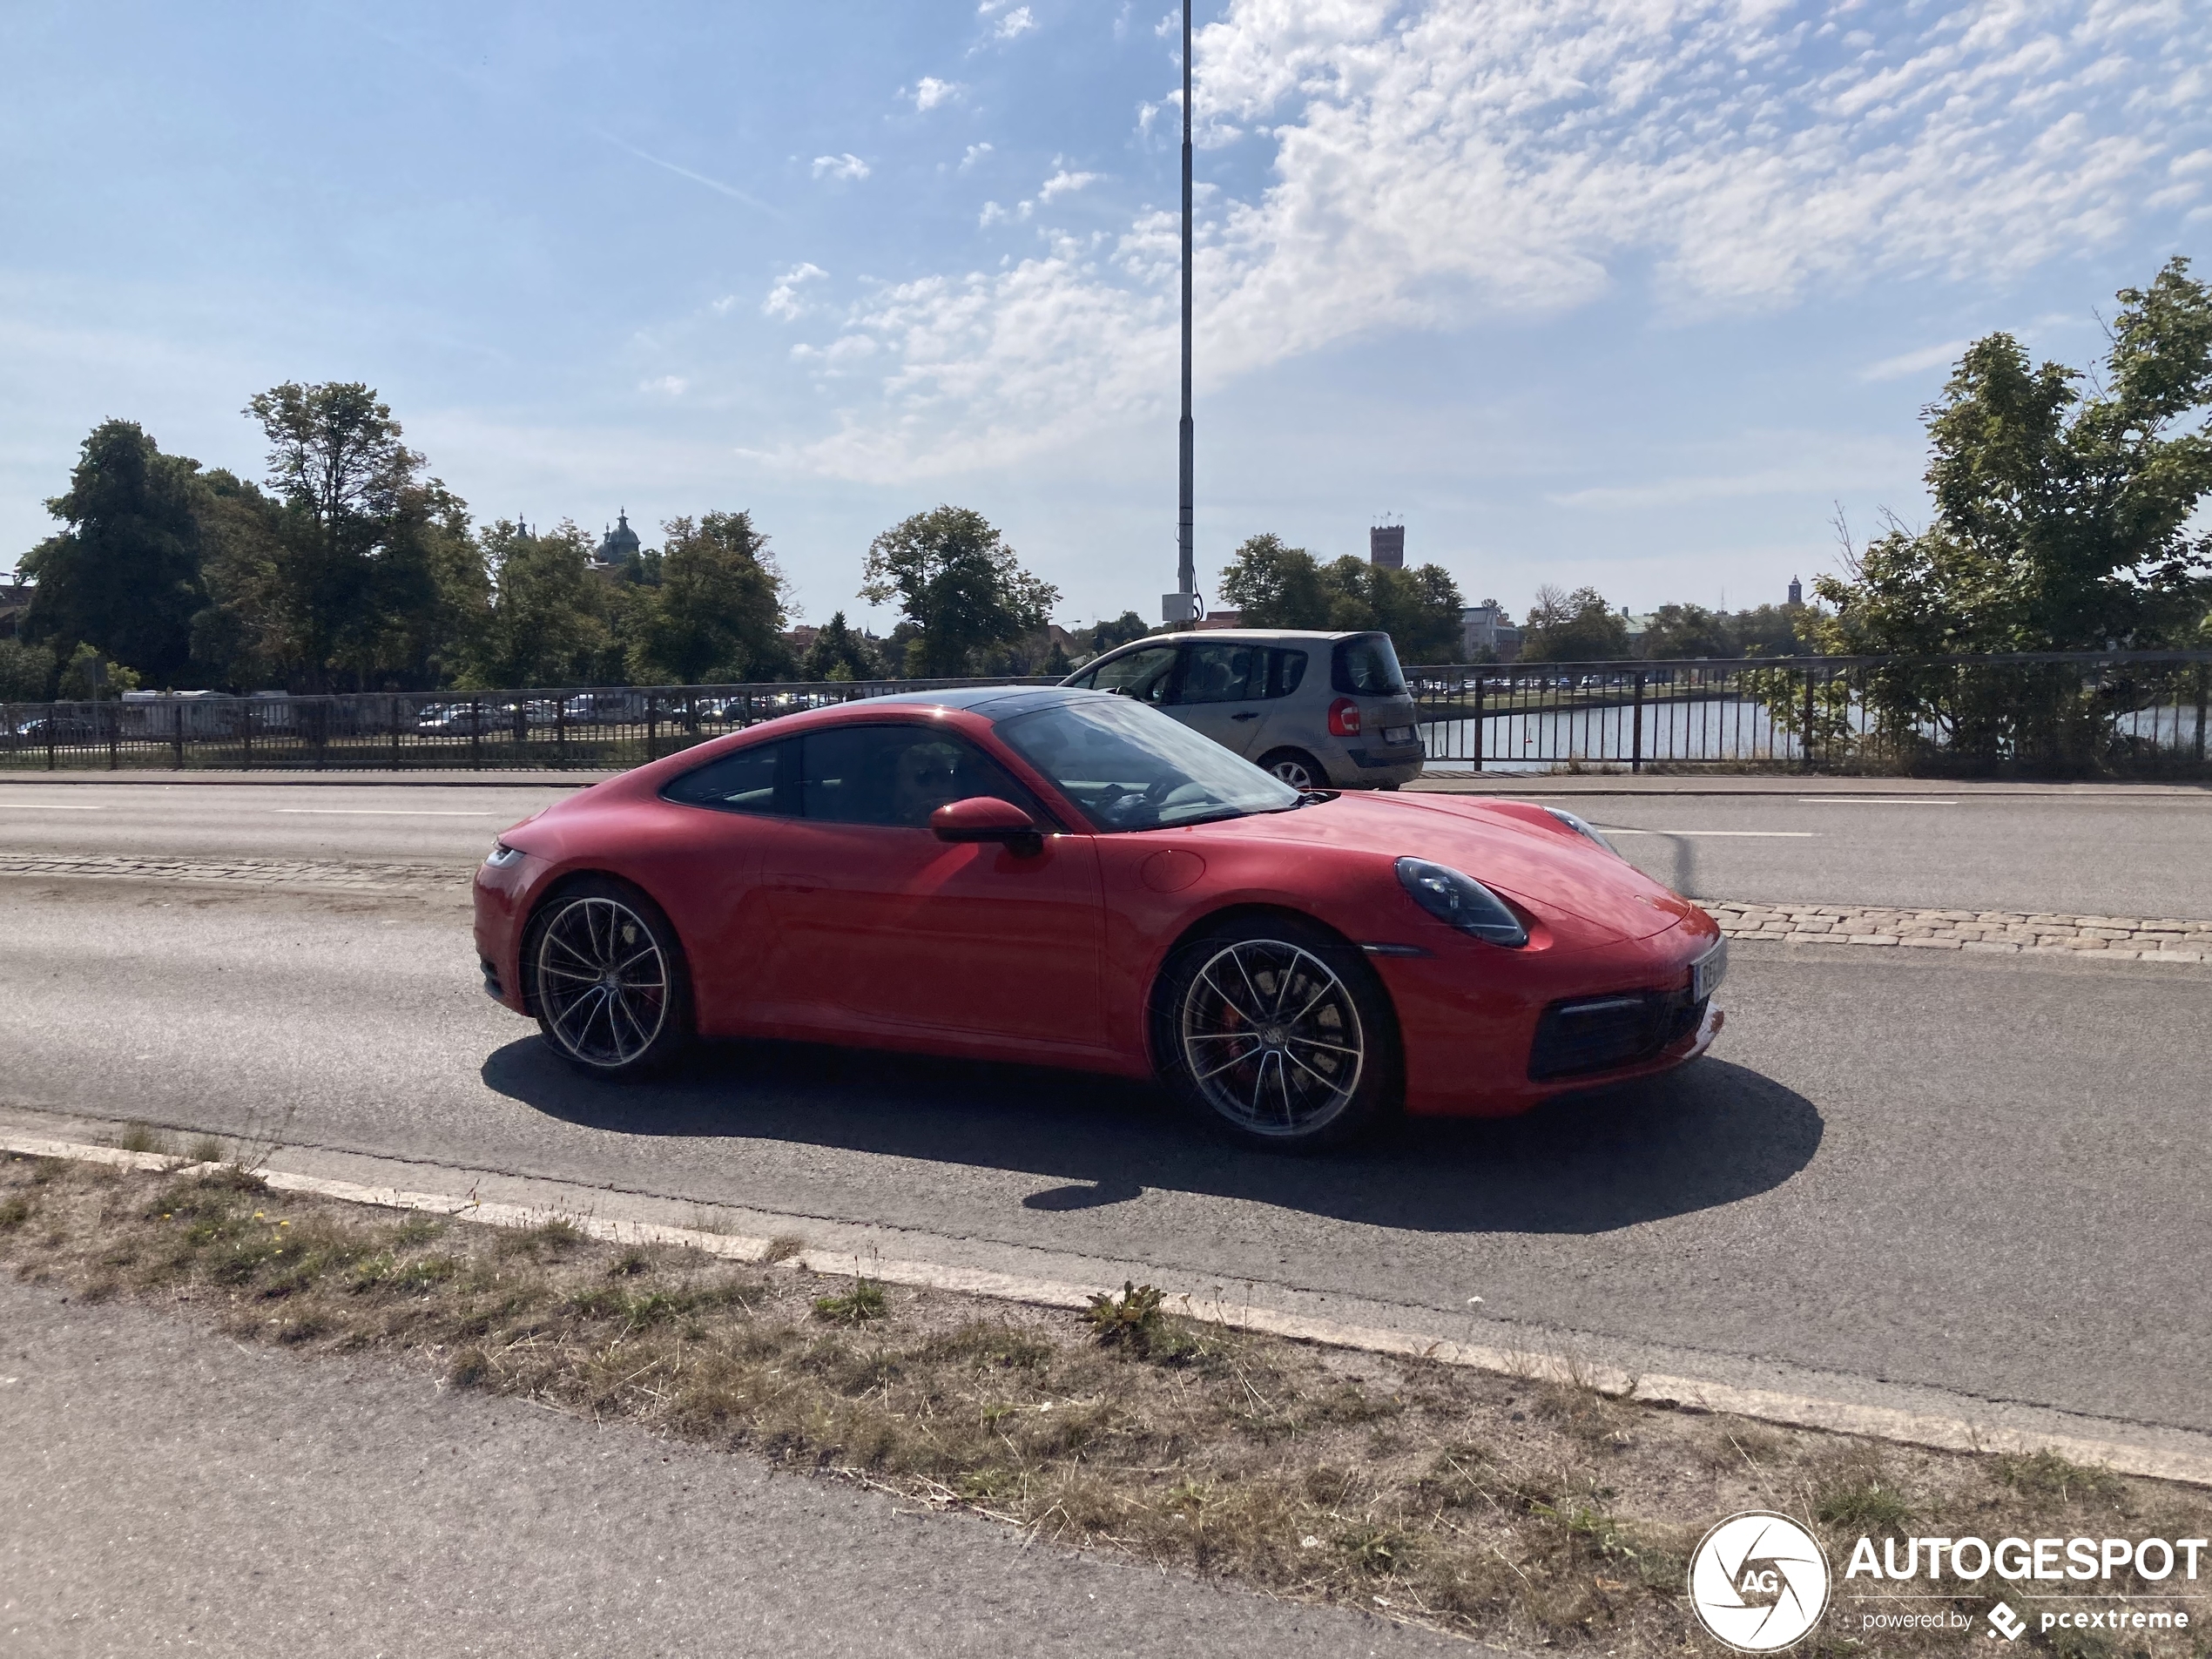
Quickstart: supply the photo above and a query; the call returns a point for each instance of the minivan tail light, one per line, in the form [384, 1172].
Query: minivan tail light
[1343, 718]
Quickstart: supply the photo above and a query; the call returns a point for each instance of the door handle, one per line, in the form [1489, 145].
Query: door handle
[1249, 714]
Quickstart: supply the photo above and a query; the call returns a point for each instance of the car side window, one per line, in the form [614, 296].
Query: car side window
[1143, 676]
[1285, 668]
[897, 775]
[1222, 671]
[760, 779]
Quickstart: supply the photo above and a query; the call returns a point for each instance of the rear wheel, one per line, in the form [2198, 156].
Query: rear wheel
[1276, 1034]
[606, 977]
[1295, 767]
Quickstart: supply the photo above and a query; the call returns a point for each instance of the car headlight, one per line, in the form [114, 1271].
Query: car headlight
[503, 856]
[1583, 827]
[1459, 900]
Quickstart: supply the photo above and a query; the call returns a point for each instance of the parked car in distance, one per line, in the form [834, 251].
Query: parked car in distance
[1319, 710]
[58, 730]
[1058, 877]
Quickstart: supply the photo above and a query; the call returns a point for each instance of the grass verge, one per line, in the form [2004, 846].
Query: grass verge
[1525, 1513]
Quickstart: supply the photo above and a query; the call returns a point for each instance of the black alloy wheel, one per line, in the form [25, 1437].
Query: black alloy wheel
[606, 978]
[1276, 1034]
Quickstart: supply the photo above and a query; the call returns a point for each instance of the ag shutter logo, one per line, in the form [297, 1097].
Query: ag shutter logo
[1758, 1581]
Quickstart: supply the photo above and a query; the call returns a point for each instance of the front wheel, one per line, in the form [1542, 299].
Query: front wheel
[607, 980]
[1278, 1035]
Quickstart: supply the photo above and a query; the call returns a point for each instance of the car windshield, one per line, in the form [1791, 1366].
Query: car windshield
[1129, 768]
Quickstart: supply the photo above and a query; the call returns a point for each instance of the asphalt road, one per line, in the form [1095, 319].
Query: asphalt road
[176, 1492]
[1980, 1175]
[2101, 851]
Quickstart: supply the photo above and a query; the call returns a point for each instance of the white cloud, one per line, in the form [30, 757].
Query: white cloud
[1442, 161]
[1913, 362]
[667, 385]
[929, 92]
[844, 166]
[975, 153]
[784, 300]
[1017, 22]
[1064, 183]
[991, 214]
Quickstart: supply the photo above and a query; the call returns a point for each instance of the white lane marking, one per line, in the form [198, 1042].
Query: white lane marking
[380, 812]
[1755, 835]
[1871, 801]
[52, 807]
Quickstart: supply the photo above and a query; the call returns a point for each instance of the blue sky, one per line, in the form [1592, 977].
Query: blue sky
[1632, 293]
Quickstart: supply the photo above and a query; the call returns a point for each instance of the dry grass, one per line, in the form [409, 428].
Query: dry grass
[1527, 1513]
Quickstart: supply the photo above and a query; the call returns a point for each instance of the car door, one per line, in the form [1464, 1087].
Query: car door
[881, 928]
[1220, 690]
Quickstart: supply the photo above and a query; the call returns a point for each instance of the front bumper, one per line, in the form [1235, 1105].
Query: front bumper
[1482, 1034]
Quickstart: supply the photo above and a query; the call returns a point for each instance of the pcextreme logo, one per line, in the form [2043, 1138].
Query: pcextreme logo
[1758, 1581]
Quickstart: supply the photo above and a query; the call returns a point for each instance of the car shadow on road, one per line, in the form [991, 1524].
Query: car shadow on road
[1709, 1135]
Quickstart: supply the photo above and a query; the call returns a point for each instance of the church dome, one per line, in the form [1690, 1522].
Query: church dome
[620, 544]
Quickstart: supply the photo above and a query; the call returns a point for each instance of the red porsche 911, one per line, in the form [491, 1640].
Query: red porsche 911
[1065, 878]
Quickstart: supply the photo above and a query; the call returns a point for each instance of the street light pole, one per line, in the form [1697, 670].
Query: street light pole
[1182, 605]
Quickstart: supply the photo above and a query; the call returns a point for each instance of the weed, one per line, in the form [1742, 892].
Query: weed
[858, 1305]
[205, 1149]
[470, 1366]
[783, 1247]
[1860, 1502]
[551, 1240]
[2045, 1475]
[417, 1230]
[137, 1137]
[629, 1264]
[16, 1211]
[1136, 1323]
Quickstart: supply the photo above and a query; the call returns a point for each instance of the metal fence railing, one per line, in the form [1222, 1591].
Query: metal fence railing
[593, 729]
[2114, 713]
[2121, 713]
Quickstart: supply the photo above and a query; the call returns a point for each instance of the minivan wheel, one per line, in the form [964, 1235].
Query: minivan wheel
[1295, 767]
[606, 977]
[1276, 1034]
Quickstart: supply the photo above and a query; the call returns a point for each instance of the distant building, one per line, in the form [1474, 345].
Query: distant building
[1797, 591]
[1387, 546]
[1485, 635]
[1221, 619]
[618, 546]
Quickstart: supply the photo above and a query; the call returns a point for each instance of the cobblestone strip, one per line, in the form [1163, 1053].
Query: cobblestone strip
[1993, 932]
[290, 873]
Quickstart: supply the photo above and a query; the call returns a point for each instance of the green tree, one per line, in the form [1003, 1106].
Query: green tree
[1771, 630]
[717, 614]
[376, 577]
[26, 671]
[840, 653]
[124, 575]
[240, 638]
[1419, 609]
[2062, 516]
[956, 581]
[1274, 585]
[90, 677]
[1577, 627]
[1678, 631]
[1105, 634]
[547, 620]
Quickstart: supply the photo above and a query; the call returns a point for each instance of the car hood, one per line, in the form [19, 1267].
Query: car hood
[1544, 870]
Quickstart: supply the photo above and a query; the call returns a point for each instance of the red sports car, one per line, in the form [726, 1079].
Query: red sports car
[1065, 878]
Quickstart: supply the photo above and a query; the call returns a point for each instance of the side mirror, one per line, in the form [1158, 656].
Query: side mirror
[986, 818]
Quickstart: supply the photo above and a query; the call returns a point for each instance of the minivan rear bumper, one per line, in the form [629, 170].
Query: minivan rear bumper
[1356, 767]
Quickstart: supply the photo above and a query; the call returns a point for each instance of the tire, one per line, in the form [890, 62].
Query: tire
[605, 976]
[1295, 767]
[1316, 1078]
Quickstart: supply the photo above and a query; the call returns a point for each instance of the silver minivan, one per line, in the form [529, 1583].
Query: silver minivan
[1318, 710]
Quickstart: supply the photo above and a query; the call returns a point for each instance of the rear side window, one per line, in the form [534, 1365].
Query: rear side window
[761, 778]
[1365, 665]
[1226, 672]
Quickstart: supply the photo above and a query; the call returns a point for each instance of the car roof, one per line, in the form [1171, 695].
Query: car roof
[991, 702]
[1193, 634]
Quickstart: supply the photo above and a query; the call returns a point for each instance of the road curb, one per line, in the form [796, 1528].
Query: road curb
[2191, 1464]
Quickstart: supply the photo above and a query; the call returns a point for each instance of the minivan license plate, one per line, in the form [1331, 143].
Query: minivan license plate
[1395, 735]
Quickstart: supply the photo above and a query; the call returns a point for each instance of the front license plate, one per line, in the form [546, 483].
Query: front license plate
[1395, 735]
[1708, 971]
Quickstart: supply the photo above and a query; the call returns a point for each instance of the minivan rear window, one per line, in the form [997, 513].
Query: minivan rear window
[1365, 665]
